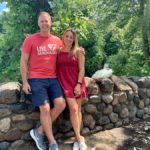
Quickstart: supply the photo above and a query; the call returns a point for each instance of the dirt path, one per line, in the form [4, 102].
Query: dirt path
[132, 137]
[106, 140]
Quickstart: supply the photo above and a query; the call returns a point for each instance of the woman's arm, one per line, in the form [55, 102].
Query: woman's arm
[81, 62]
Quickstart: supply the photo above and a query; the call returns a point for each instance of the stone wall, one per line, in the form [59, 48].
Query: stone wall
[112, 102]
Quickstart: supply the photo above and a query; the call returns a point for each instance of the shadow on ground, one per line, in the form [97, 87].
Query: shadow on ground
[135, 136]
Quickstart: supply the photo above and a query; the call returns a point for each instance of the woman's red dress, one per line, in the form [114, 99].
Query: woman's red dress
[68, 71]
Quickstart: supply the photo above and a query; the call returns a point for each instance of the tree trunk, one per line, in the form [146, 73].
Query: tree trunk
[145, 42]
[146, 47]
[43, 5]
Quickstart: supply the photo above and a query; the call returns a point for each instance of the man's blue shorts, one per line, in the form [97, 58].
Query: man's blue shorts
[45, 90]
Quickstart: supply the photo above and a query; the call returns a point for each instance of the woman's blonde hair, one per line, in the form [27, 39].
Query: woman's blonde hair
[75, 45]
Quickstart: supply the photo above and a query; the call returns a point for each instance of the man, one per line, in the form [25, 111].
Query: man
[38, 70]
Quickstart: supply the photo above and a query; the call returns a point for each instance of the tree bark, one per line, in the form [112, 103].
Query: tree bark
[146, 47]
[43, 5]
[145, 41]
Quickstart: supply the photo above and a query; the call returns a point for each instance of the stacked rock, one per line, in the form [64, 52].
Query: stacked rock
[111, 102]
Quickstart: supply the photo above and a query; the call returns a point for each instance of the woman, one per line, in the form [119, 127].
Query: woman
[71, 76]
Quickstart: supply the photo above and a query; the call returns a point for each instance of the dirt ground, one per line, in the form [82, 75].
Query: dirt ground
[135, 136]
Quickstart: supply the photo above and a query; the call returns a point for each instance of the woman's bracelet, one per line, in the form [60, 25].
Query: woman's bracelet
[79, 83]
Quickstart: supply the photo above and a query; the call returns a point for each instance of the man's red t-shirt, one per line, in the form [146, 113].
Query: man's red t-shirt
[42, 55]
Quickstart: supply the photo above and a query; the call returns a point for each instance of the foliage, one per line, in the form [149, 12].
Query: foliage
[16, 24]
[110, 31]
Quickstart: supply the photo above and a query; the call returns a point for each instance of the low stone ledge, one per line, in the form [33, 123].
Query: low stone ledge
[111, 102]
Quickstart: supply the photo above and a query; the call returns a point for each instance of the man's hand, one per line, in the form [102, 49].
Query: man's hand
[26, 88]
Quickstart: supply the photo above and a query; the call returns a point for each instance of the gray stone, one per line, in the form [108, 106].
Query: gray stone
[124, 113]
[97, 116]
[17, 118]
[101, 106]
[95, 90]
[13, 134]
[145, 116]
[136, 119]
[125, 121]
[136, 100]
[108, 109]
[107, 98]
[90, 108]
[92, 87]
[120, 84]
[141, 104]
[98, 128]
[18, 144]
[95, 99]
[131, 84]
[85, 131]
[4, 145]
[22, 97]
[69, 134]
[2, 138]
[146, 110]
[149, 110]
[132, 110]
[26, 146]
[113, 117]
[109, 126]
[25, 125]
[19, 108]
[122, 97]
[89, 82]
[4, 106]
[85, 101]
[4, 112]
[140, 113]
[143, 82]
[103, 120]
[148, 92]
[130, 95]
[33, 115]
[115, 99]
[106, 85]
[118, 124]
[26, 136]
[142, 93]
[117, 108]
[89, 121]
[60, 135]
[65, 126]
[134, 78]
[5, 124]
[146, 101]
[9, 92]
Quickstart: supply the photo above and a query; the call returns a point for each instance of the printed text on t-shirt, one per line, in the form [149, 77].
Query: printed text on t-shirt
[46, 50]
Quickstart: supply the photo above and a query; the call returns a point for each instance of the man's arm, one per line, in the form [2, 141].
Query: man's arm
[24, 72]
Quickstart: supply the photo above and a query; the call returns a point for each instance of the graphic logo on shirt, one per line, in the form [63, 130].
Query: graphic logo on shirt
[50, 49]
